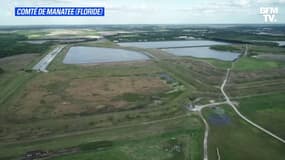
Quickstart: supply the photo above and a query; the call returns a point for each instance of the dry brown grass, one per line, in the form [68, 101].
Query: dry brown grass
[107, 87]
[17, 62]
[83, 95]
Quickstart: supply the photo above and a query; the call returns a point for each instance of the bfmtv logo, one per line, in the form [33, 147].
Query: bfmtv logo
[269, 14]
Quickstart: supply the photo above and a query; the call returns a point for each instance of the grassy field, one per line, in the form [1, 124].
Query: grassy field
[128, 138]
[237, 140]
[268, 111]
[254, 50]
[14, 73]
[218, 63]
[60, 96]
[251, 64]
[182, 143]
[251, 77]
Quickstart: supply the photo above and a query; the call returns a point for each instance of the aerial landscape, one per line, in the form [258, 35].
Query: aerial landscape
[204, 90]
[167, 92]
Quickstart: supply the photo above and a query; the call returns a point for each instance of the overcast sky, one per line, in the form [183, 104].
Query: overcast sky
[148, 11]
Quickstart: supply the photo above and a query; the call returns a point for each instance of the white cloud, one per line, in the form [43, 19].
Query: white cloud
[242, 3]
[271, 1]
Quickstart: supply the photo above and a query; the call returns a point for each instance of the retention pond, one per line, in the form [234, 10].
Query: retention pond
[94, 55]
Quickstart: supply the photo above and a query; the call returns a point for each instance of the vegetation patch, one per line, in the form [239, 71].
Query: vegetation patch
[61, 96]
[255, 50]
[131, 97]
[99, 145]
[239, 140]
[250, 64]
[1, 71]
[10, 44]
[175, 147]
[231, 48]
[267, 111]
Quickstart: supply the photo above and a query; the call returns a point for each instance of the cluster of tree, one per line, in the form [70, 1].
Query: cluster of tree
[172, 34]
[240, 36]
[12, 44]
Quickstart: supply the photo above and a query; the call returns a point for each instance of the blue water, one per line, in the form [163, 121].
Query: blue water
[167, 44]
[203, 52]
[94, 55]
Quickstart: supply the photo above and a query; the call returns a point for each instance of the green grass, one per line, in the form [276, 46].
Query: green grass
[141, 140]
[15, 76]
[253, 50]
[95, 145]
[132, 97]
[113, 154]
[238, 140]
[218, 63]
[267, 111]
[252, 64]
[9, 88]
[161, 146]
[231, 48]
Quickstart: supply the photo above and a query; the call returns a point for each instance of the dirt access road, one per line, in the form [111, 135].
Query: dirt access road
[44, 62]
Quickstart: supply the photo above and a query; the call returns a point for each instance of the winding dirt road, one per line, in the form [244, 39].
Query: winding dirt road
[206, 134]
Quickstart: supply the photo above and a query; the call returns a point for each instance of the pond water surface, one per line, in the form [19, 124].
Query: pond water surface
[203, 52]
[171, 44]
[93, 55]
